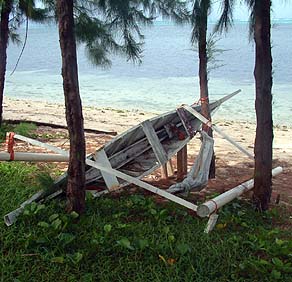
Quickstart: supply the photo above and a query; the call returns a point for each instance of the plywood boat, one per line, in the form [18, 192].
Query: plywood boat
[147, 146]
[138, 151]
[129, 156]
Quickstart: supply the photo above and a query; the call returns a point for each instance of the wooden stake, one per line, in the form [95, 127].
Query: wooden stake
[182, 163]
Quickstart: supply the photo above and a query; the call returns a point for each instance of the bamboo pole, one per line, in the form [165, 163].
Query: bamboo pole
[212, 205]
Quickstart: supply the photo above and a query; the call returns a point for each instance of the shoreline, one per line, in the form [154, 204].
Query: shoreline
[116, 120]
[104, 119]
[32, 110]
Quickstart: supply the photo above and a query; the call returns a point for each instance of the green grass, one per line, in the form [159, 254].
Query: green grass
[23, 128]
[131, 238]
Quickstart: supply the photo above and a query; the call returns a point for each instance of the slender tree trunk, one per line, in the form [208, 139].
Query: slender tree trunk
[74, 117]
[4, 31]
[203, 77]
[263, 105]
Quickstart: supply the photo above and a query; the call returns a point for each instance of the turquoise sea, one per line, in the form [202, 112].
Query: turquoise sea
[166, 78]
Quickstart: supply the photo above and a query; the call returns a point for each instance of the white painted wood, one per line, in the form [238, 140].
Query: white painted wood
[11, 217]
[224, 135]
[154, 142]
[42, 145]
[137, 148]
[33, 157]
[144, 185]
[118, 174]
[110, 180]
[225, 98]
[182, 121]
[212, 205]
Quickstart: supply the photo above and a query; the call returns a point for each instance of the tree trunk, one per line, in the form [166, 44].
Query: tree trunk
[263, 105]
[4, 31]
[74, 117]
[203, 77]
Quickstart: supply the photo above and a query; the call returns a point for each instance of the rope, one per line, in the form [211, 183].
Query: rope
[204, 100]
[216, 207]
[10, 144]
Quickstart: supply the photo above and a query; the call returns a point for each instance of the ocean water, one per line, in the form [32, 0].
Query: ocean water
[167, 77]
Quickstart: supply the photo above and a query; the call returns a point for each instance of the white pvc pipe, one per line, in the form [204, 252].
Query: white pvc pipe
[212, 205]
[33, 157]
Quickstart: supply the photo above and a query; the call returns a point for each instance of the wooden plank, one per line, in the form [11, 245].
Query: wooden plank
[123, 157]
[42, 145]
[110, 180]
[154, 142]
[185, 158]
[167, 170]
[164, 172]
[224, 135]
[170, 169]
[145, 185]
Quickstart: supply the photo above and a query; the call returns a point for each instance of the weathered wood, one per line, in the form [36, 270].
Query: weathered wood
[164, 172]
[211, 222]
[125, 156]
[185, 122]
[11, 217]
[110, 180]
[41, 144]
[131, 147]
[167, 170]
[169, 167]
[153, 139]
[182, 163]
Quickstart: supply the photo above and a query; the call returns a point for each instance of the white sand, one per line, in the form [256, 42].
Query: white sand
[120, 120]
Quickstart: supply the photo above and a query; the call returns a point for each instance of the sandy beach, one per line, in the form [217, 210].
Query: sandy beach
[232, 166]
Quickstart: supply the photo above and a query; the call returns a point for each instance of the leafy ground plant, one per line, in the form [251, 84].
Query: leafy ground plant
[132, 238]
